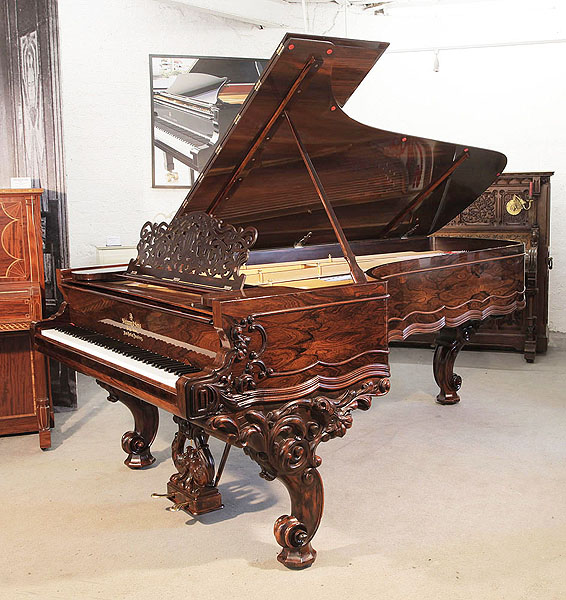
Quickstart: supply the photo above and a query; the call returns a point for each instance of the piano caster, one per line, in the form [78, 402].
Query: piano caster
[449, 341]
[299, 558]
[137, 443]
[172, 176]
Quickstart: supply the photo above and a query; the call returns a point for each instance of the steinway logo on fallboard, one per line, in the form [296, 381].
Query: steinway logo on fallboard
[131, 326]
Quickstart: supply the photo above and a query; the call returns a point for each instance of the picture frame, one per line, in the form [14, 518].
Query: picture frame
[194, 100]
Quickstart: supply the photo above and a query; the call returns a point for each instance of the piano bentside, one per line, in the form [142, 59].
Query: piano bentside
[244, 334]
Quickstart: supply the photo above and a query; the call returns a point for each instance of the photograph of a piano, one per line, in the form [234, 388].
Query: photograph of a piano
[262, 313]
[194, 101]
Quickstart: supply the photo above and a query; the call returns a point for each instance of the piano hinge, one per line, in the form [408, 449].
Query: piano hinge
[237, 118]
[218, 149]
[257, 85]
[280, 49]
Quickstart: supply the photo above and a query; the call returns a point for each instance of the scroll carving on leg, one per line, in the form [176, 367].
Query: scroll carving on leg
[448, 344]
[192, 488]
[137, 443]
[283, 442]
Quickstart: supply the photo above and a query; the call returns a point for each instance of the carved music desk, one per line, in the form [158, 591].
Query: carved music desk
[272, 349]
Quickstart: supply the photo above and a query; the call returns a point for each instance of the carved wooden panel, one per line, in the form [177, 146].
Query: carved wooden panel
[196, 248]
[482, 212]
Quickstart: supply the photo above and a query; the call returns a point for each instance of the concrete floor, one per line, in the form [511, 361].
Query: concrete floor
[422, 501]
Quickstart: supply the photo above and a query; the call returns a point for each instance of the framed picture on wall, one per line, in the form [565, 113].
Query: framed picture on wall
[194, 100]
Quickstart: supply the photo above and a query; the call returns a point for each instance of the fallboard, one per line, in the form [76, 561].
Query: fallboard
[187, 338]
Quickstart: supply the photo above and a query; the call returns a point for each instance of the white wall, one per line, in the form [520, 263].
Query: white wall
[510, 99]
[106, 107]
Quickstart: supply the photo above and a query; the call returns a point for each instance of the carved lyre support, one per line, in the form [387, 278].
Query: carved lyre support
[193, 488]
[449, 341]
[283, 442]
[137, 443]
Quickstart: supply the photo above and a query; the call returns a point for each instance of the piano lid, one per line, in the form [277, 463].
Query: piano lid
[378, 183]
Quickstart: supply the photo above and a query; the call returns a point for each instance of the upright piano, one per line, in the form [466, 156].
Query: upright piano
[262, 313]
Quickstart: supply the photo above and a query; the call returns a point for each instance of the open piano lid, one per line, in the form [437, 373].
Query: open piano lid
[379, 183]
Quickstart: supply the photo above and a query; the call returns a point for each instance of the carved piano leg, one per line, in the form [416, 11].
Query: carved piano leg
[137, 443]
[294, 532]
[192, 488]
[283, 442]
[449, 342]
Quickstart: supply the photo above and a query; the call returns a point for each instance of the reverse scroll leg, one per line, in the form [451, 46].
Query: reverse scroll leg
[137, 443]
[294, 532]
[294, 463]
[283, 442]
[449, 342]
[193, 488]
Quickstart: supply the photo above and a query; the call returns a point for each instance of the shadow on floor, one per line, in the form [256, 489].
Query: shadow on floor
[238, 497]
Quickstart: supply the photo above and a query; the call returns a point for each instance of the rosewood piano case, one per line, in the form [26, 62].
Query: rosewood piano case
[263, 312]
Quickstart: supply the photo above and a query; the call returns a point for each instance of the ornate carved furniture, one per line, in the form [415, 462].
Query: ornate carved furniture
[515, 207]
[272, 349]
[24, 398]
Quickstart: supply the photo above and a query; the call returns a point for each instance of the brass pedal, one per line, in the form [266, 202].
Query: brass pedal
[178, 507]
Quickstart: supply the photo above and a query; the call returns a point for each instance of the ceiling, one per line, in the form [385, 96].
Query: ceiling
[386, 3]
[290, 14]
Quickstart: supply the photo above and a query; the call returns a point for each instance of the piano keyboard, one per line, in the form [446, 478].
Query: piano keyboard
[177, 143]
[142, 362]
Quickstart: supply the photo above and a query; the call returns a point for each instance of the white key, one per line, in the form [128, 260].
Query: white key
[119, 360]
[177, 143]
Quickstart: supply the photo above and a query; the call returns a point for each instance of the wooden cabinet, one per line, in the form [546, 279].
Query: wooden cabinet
[515, 207]
[24, 398]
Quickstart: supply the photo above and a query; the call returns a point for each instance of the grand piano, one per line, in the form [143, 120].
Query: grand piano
[262, 313]
[192, 114]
